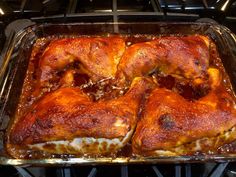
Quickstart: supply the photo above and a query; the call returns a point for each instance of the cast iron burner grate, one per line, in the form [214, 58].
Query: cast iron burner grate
[117, 10]
[222, 11]
[167, 170]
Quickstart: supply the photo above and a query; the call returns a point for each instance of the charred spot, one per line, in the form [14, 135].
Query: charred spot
[166, 121]
[76, 64]
[45, 123]
[196, 62]
[95, 121]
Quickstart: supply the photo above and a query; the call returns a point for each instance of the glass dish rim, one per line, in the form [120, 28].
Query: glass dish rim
[109, 160]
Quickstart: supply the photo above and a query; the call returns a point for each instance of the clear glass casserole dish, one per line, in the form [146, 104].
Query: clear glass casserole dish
[16, 56]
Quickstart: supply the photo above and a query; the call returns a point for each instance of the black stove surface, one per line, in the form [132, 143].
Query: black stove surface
[167, 170]
[221, 11]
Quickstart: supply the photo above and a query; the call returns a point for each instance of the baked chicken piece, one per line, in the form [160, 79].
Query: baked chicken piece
[67, 121]
[172, 125]
[99, 56]
[186, 57]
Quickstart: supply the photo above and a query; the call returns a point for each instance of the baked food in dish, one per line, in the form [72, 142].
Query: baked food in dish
[173, 125]
[182, 57]
[67, 121]
[94, 54]
[97, 57]
[86, 95]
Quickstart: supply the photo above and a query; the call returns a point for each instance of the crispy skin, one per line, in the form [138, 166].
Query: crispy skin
[170, 121]
[68, 113]
[186, 57]
[99, 56]
[66, 121]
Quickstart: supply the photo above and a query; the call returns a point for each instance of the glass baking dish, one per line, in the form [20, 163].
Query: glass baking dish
[16, 56]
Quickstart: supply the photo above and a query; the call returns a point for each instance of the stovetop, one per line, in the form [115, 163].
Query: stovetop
[220, 11]
[159, 170]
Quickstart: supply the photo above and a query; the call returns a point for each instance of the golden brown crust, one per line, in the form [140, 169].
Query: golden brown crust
[94, 53]
[68, 113]
[183, 56]
[170, 121]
